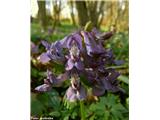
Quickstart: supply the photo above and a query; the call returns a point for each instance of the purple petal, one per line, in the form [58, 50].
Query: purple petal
[87, 43]
[47, 81]
[92, 39]
[109, 53]
[52, 78]
[98, 47]
[79, 65]
[45, 44]
[70, 64]
[106, 83]
[43, 88]
[116, 89]
[64, 42]
[105, 35]
[110, 86]
[68, 41]
[56, 81]
[102, 36]
[98, 90]
[77, 37]
[56, 54]
[110, 82]
[82, 93]
[95, 31]
[71, 94]
[91, 46]
[43, 58]
[113, 75]
[58, 45]
[63, 77]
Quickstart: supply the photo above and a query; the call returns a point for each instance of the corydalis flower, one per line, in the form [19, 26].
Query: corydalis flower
[52, 80]
[73, 94]
[54, 52]
[83, 54]
[105, 80]
[76, 91]
[73, 60]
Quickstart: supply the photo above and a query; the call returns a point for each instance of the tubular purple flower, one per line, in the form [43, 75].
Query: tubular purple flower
[70, 64]
[102, 36]
[109, 82]
[43, 88]
[75, 37]
[79, 65]
[73, 94]
[91, 45]
[51, 77]
[54, 52]
[46, 44]
[78, 39]
[74, 63]
[43, 58]
[52, 80]
[56, 80]
[98, 90]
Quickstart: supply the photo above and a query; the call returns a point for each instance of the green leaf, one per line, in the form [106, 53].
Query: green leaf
[74, 115]
[103, 100]
[43, 98]
[37, 107]
[66, 118]
[54, 100]
[119, 107]
[70, 105]
[92, 107]
[55, 113]
[111, 100]
[117, 114]
[124, 79]
[100, 106]
[34, 72]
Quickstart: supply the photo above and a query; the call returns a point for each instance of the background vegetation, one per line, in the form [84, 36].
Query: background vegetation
[55, 19]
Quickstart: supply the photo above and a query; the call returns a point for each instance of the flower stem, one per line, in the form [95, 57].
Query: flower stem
[82, 110]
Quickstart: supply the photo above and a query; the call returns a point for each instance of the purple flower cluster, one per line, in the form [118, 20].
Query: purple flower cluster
[84, 54]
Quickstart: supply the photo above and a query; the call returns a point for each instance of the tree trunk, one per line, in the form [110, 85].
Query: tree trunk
[101, 12]
[42, 14]
[92, 10]
[56, 13]
[72, 13]
[82, 12]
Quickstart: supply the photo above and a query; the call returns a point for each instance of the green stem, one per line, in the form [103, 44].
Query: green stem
[82, 110]
[117, 67]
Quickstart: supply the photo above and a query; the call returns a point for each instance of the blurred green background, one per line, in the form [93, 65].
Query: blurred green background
[52, 20]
